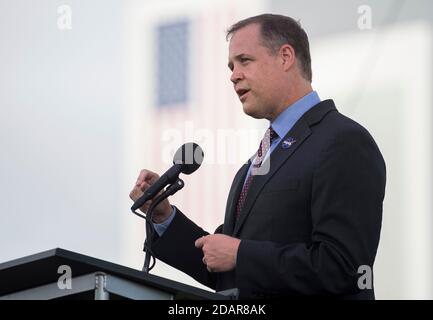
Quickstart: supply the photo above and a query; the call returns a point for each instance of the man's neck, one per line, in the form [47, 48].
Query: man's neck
[294, 95]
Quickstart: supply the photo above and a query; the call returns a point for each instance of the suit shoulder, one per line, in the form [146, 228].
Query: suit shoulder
[339, 126]
[339, 132]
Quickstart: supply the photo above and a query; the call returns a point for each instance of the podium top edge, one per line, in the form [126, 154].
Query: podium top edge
[41, 268]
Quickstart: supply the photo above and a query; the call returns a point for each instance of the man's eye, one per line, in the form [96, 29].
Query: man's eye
[243, 60]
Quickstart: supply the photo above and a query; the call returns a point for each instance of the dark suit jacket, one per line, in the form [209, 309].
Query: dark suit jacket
[307, 225]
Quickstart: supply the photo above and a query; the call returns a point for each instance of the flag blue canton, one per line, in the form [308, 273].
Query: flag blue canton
[173, 65]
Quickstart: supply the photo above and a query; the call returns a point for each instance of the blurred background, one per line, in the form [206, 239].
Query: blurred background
[93, 91]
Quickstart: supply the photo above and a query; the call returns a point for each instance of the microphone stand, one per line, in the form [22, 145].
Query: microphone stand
[169, 191]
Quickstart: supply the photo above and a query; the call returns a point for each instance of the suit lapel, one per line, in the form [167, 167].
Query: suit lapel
[299, 133]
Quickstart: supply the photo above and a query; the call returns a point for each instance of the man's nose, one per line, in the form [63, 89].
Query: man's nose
[236, 76]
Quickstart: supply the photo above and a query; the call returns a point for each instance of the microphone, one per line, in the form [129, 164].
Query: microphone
[187, 159]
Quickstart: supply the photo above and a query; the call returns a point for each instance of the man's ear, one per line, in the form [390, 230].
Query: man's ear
[288, 56]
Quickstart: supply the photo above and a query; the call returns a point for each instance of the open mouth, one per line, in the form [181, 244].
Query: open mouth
[242, 93]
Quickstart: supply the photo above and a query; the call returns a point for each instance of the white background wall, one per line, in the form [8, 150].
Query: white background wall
[60, 134]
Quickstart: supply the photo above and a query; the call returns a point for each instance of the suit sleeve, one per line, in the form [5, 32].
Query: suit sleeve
[346, 209]
[176, 247]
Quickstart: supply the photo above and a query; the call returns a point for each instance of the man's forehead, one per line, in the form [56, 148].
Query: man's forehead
[244, 40]
[247, 34]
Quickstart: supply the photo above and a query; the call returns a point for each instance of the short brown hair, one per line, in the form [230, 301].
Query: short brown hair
[277, 30]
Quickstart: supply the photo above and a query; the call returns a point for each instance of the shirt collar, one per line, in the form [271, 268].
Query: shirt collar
[287, 119]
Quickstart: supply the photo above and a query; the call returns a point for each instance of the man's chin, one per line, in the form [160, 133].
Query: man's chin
[252, 112]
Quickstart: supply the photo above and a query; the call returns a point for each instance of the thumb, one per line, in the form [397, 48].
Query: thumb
[200, 242]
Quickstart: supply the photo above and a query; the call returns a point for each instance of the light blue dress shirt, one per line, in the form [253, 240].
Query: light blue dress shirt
[281, 125]
[287, 119]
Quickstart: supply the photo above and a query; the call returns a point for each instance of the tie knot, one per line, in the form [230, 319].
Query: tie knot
[265, 144]
[269, 137]
[272, 134]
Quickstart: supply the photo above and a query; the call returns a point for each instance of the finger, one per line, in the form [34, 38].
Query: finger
[135, 193]
[146, 175]
[200, 242]
[141, 177]
[144, 186]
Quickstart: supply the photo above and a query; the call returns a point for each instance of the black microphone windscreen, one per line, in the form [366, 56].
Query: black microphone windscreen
[189, 156]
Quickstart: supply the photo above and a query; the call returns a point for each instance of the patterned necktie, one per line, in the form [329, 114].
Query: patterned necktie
[265, 144]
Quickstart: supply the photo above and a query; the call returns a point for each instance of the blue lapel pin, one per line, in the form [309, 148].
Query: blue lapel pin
[288, 143]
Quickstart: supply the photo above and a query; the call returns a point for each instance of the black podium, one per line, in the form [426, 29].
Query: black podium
[42, 276]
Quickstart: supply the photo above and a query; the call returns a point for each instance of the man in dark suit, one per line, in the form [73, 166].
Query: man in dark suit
[304, 214]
